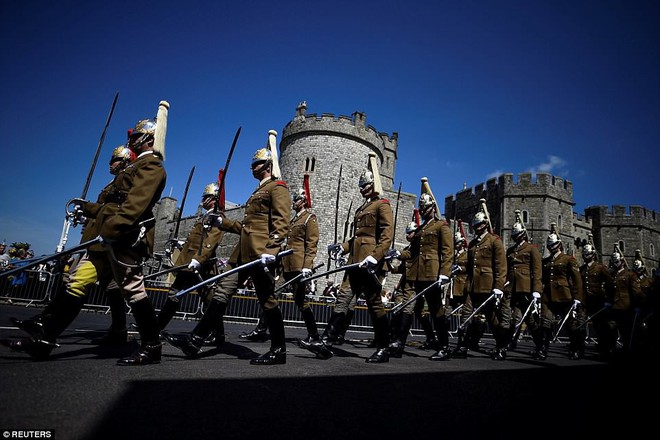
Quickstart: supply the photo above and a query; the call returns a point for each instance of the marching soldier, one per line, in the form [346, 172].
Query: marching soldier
[430, 255]
[127, 233]
[524, 283]
[121, 157]
[368, 246]
[303, 239]
[486, 276]
[598, 286]
[262, 231]
[562, 296]
[626, 301]
[199, 254]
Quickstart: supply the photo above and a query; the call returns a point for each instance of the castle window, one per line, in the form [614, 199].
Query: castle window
[651, 250]
[559, 221]
[525, 216]
[622, 246]
[310, 164]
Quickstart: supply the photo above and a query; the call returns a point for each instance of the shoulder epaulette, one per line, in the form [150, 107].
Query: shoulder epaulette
[385, 201]
[281, 183]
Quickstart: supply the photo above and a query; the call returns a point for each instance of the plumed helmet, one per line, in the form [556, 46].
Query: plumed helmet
[412, 227]
[122, 152]
[479, 219]
[458, 238]
[638, 265]
[366, 178]
[211, 190]
[553, 241]
[262, 155]
[299, 195]
[588, 251]
[617, 258]
[517, 230]
[426, 201]
[144, 127]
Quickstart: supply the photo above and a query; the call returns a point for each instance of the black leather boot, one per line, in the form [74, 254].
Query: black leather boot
[431, 341]
[259, 333]
[33, 326]
[340, 337]
[191, 345]
[38, 350]
[441, 355]
[277, 352]
[275, 356]
[310, 321]
[461, 350]
[397, 347]
[168, 311]
[147, 322]
[381, 327]
[147, 354]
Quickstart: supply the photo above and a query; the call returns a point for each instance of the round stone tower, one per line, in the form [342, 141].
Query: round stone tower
[322, 145]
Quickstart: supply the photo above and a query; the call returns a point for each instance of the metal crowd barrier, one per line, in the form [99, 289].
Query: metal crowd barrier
[35, 287]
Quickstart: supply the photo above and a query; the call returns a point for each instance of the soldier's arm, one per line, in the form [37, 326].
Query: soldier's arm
[499, 264]
[280, 215]
[385, 234]
[147, 180]
[446, 251]
[576, 278]
[311, 242]
[536, 270]
[211, 240]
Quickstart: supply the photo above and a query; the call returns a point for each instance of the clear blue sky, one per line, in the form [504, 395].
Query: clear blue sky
[474, 88]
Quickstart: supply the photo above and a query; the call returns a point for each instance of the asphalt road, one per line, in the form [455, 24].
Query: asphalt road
[81, 393]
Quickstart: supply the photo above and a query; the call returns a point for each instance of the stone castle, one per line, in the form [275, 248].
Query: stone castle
[323, 146]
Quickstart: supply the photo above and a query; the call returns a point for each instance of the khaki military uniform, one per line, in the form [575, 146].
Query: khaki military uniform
[524, 278]
[623, 315]
[562, 285]
[598, 284]
[303, 239]
[263, 229]
[486, 271]
[123, 222]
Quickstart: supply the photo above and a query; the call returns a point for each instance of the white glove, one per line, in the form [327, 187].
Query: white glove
[267, 259]
[536, 295]
[217, 221]
[576, 303]
[443, 279]
[306, 272]
[368, 262]
[498, 293]
[194, 264]
[334, 248]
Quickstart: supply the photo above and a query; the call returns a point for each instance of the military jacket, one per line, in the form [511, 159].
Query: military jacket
[134, 198]
[597, 282]
[524, 268]
[627, 291]
[561, 279]
[201, 244]
[486, 266]
[91, 209]
[460, 277]
[265, 223]
[431, 251]
[372, 231]
[303, 238]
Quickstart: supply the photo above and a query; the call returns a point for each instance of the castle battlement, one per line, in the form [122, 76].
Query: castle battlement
[541, 184]
[353, 127]
[633, 215]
